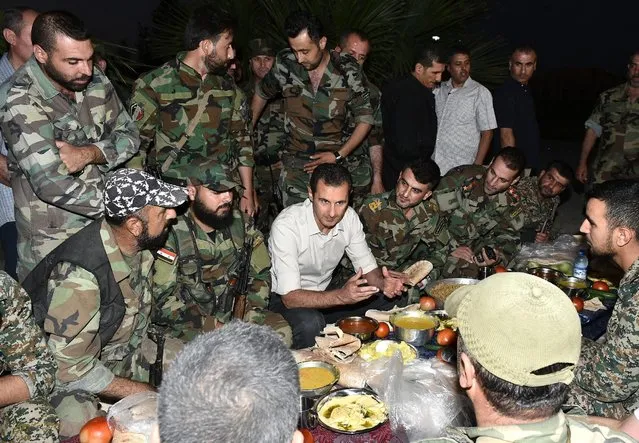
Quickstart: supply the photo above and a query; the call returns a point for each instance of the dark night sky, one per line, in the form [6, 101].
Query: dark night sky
[567, 33]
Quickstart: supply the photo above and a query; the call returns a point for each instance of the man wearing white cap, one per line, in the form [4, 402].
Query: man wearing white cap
[519, 340]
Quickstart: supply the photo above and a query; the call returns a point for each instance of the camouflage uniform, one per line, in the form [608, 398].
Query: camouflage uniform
[558, 428]
[535, 208]
[166, 99]
[50, 203]
[268, 137]
[24, 354]
[394, 239]
[318, 121]
[187, 291]
[85, 365]
[607, 376]
[358, 162]
[476, 220]
[615, 120]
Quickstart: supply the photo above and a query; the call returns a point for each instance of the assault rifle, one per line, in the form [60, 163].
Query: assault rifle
[155, 370]
[236, 299]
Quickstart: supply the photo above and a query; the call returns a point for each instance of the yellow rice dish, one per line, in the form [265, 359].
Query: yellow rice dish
[353, 413]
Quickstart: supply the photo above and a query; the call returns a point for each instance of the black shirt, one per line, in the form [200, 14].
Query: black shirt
[514, 108]
[410, 125]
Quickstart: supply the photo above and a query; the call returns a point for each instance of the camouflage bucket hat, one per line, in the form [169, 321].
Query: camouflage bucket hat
[128, 190]
[515, 325]
[260, 46]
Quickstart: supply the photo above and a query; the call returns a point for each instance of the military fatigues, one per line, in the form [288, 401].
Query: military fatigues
[607, 376]
[164, 102]
[394, 239]
[187, 292]
[556, 429]
[268, 137]
[476, 220]
[537, 210]
[615, 120]
[318, 121]
[85, 365]
[24, 354]
[50, 203]
[358, 162]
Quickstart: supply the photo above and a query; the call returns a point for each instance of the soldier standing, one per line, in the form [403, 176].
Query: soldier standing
[483, 210]
[615, 121]
[199, 265]
[540, 198]
[191, 113]
[365, 163]
[396, 223]
[320, 89]
[268, 135]
[65, 127]
[25, 412]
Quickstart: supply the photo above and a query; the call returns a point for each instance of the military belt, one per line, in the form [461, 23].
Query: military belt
[175, 181]
[295, 160]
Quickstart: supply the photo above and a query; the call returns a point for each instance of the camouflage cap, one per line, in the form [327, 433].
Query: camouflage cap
[515, 324]
[128, 190]
[212, 175]
[260, 46]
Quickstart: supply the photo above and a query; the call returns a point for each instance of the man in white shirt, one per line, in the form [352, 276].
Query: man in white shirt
[307, 242]
[465, 116]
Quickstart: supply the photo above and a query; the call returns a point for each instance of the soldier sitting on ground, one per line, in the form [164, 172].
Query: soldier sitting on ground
[25, 412]
[197, 272]
[483, 210]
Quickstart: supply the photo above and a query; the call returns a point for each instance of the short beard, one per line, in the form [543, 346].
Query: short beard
[57, 77]
[215, 65]
[211, 218]
[146, 242]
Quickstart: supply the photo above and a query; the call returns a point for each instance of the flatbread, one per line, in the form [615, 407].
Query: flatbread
[418, 271]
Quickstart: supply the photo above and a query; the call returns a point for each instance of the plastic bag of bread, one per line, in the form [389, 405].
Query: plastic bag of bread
[134, 418]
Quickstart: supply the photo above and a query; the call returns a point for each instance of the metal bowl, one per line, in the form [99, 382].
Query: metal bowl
[573, 286]
[346, 393]
[324, 389]
[453, 281]
[548, 274]
[414, 336]
[361, 327]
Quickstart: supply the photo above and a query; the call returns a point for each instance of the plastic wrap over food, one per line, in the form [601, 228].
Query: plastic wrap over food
[422, 398]
[557, 255]
[133, 418]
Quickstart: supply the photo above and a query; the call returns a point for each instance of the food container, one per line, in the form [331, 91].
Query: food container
[324, 388]
[414, 327]
[548, 274]
[361, 327]
[434, 289]
[341, 393]
[572, 286]
[386, 348]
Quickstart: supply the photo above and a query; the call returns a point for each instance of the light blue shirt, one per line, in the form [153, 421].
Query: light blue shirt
[6, 195]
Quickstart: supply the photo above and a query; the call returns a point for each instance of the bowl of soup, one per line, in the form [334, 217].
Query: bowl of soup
[316, 377]
[360, 327]
[414, 327]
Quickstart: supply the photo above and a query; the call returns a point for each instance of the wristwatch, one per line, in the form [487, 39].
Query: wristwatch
[338, 157]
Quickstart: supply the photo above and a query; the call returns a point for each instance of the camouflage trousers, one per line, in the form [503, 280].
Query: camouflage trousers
[28, 421]
[267, 178]
[361, 173]
[614, 165]
[456, 267]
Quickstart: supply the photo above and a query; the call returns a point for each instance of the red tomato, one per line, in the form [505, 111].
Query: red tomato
[308, 437]
[578, 302]
[446, 337]
[500, 268]
[600, 286]
[427, 303]
[382, 330]
[439, 355]
[96, 430]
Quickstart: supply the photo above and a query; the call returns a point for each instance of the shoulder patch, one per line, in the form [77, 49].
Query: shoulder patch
[166, 256]
[375, 205]
[136, 111]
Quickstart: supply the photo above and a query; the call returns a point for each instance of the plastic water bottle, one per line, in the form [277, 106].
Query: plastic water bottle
[581, 266]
